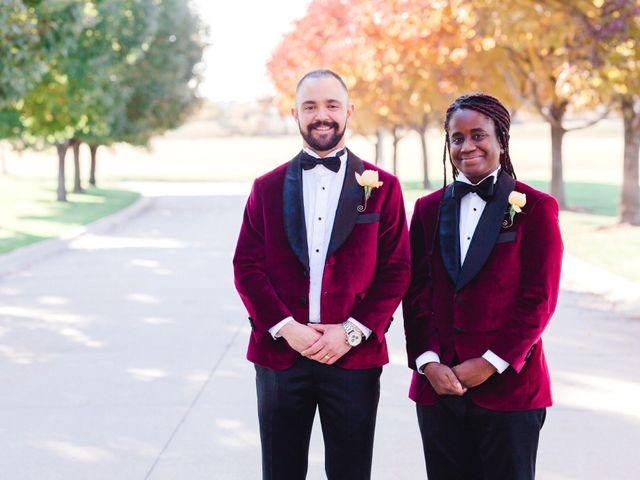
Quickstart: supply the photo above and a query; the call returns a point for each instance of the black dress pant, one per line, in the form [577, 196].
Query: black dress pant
[347, 401]
[463, 441]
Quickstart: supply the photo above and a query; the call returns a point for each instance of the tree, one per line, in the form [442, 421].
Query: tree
[164, 84]
[22, 63]
[543, 68]
[404, 61]
[120, 39]
[616, 28]
[46, 114]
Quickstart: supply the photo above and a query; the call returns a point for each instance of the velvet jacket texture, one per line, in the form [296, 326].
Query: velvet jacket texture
[366, 272]
[501, 299]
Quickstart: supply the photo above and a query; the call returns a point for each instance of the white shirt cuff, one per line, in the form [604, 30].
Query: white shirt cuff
[426, 357]
[275, 330]
[365, 331]
[496, 361]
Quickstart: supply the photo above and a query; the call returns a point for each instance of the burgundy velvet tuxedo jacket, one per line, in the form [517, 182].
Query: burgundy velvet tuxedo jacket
[366, 272]
[501, 299]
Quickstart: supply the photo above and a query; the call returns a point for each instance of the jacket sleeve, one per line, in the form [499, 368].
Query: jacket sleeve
[419, 328]
[541, 261]
[392, 266]
[256, 290]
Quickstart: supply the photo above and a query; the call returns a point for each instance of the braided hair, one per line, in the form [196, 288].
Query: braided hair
[490, 107]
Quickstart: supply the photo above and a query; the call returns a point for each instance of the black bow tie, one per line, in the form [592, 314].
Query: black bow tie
[484, 189]
[332, 163]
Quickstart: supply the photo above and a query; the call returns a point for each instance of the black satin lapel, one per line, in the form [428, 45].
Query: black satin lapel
[449, 234]
[350, 197]
[293, 210]
[487, 231]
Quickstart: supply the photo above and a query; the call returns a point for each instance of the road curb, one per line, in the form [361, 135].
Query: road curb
[24, 257]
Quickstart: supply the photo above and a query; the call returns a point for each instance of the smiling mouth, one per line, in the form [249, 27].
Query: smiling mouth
[323, 127]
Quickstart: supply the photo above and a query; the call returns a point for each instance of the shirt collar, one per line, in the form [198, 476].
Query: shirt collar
[332, 153]
[494, 174]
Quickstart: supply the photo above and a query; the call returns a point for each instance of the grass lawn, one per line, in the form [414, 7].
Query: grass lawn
[601, 241]
[591, 232]
[30, 212]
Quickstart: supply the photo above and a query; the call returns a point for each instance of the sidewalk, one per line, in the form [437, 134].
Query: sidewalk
[122, 355]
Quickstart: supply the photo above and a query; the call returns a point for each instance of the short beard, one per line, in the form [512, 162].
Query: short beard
[322, 145]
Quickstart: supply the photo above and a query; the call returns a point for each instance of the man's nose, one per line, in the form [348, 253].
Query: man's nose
[322, 113]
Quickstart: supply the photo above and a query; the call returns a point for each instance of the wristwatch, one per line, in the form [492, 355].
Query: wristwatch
[354, 338]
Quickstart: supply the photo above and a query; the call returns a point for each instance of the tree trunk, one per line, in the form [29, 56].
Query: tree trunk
[557, 179]
[396, 139]
[630, 194]
[425, 157]
[92, 176]
[379, 140]
[61, 148]
[77, 182]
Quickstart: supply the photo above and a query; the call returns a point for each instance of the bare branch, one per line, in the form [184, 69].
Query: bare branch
[591, 122]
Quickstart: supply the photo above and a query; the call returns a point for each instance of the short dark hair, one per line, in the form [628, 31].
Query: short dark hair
[492, 108]
[321, 73]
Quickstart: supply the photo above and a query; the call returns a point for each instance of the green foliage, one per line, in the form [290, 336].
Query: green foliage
[47, 113]
[108, 50]
[100, 71]
[163, 83]
[20, 65]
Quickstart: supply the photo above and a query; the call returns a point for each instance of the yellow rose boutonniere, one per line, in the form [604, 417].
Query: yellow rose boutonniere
[517, 201]
[368, 180]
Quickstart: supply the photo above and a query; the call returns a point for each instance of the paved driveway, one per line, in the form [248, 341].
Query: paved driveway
[122, 357]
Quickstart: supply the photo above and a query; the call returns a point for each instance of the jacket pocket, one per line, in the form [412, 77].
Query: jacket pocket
[368, 218]
[506, 237]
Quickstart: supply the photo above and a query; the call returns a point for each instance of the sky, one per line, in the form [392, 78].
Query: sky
[243, 33]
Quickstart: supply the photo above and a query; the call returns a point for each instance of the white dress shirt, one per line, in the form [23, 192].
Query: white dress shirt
[471, 208]
[321, 190]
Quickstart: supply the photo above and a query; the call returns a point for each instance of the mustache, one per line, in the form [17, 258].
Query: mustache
[321, 123]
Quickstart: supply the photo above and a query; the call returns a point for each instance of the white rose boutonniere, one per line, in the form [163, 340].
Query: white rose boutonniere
[368, 180]
[517, 201]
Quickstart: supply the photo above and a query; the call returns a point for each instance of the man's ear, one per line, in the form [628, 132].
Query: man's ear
[350, 109]
[294, 113]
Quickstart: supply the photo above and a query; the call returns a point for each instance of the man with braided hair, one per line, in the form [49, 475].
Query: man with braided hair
[486, 253]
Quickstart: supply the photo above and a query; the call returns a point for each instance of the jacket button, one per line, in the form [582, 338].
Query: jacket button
[530, 352]
[303, 300]
[459, 299]
[457, 331]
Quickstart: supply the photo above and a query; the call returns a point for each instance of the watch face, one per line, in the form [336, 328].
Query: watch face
[354, 339]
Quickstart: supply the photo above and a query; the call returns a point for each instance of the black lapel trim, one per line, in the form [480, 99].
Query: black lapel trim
[350, 197]
[293, 211]
[449, 233]
[487, 231]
